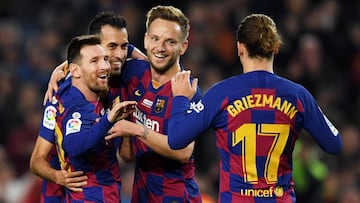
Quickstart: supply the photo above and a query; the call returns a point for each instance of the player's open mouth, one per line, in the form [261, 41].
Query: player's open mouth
[116, 66]
[103, 76]
[115, 63]
[160, 56]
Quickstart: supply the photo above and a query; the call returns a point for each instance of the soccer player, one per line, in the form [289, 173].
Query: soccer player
[257, 117]
[161, 174]
[82, 123]
[112, 30]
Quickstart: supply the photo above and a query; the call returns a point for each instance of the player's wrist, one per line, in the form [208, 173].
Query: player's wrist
[57, 177]
[145, 133]
[111, 118]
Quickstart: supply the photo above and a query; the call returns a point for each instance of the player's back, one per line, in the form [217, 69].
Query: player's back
[260, 118]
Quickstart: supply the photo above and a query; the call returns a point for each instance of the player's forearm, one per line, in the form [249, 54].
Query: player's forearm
[79, 143]
[136, 53]
[178, 136]
[156, 141]
[61, 67]
[159, 143]
[126, 152]
[41, 167]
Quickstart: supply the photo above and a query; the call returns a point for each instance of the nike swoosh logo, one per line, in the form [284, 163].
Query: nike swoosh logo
[137, 93]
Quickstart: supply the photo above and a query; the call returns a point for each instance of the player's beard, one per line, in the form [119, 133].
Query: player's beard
[163, 66]
[99, 87]
[100, 91]
[115, 67]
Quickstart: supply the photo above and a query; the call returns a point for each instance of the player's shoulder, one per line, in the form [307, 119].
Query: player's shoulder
[289, 85]
[135, 64]
[286, 81]
[134, 68]
[72, 99]
[226, 84]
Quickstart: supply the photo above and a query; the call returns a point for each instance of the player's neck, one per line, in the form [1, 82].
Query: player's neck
[256, 64]
[163, 77]
[89, 95]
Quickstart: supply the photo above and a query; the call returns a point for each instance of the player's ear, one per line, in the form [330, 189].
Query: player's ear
[74, 70]
[184, 46]
[240, 48]
[146, 40]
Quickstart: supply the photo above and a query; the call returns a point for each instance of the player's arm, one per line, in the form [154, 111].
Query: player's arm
[57, 75]
[77, 140]
[319, 126]
[159, 143]
[126, 151]
[180, 136]
[40, 166]
[134, 52]
[156, 141]
[183, 91]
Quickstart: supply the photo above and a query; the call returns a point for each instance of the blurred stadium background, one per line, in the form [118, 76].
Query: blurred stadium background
[321, 51]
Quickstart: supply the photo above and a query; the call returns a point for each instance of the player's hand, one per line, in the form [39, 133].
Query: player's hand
[121, 110]
[122, 128]
[57, 75]
[181, 86]
[74, 181]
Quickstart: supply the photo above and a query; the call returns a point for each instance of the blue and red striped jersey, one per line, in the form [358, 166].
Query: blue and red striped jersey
[157, 178]
[80, 130]
[257, 117]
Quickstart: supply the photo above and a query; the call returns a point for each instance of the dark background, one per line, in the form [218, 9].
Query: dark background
[321, 51]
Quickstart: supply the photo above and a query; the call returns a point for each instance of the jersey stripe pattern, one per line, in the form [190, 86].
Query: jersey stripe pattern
[50, 191]
[257, 117]
[157, 179]
[80, 133]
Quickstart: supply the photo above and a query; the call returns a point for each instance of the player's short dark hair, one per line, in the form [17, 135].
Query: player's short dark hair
[106, 18]
[78, 42]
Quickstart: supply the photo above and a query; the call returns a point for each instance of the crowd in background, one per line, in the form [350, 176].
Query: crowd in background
[321, 51]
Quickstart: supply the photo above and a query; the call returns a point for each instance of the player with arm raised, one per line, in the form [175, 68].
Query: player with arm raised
[257, 117]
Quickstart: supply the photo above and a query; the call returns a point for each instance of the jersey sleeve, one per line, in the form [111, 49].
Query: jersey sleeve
[319, 126]
[81, 133]
[48, 122]
[189, 119]
[131, 48]
[198, 95]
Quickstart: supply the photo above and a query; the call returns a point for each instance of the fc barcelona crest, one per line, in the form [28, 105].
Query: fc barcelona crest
[160, 104]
